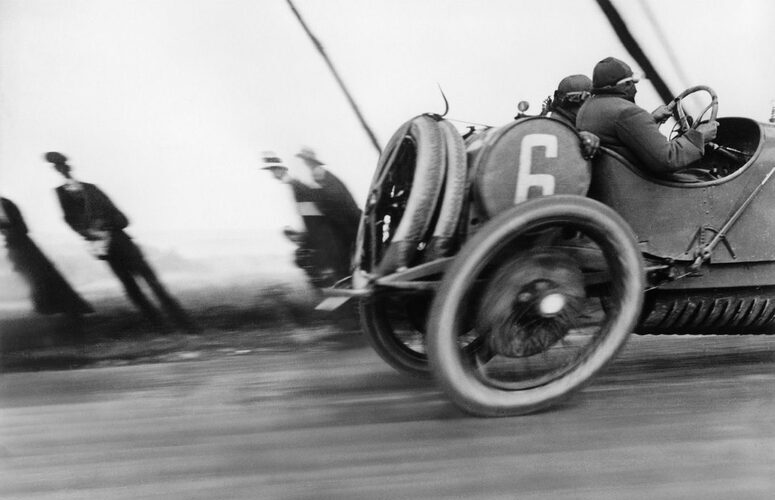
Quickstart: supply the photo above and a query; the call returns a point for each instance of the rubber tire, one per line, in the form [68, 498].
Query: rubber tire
[375, 321]
[427, 182]
[455, 375]
[441, 243]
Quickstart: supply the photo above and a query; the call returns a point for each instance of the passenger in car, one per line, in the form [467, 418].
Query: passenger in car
[633, 132]
[571, 93]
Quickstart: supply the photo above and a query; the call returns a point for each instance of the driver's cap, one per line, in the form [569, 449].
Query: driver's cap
[611, 71]
[574, 83]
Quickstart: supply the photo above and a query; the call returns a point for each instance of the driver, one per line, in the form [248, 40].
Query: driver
[633, 132]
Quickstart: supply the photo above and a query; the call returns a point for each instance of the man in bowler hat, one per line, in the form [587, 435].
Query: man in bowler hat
[94, 216]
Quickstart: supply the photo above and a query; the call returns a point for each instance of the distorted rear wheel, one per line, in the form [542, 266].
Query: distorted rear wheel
[394, 326]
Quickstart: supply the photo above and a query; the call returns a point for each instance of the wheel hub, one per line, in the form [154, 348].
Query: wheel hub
[530, 304]
[551, 304]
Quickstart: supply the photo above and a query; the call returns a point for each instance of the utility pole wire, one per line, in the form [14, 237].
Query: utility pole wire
[350, 99]
[662, 37]
[671, 54]
[632, 46]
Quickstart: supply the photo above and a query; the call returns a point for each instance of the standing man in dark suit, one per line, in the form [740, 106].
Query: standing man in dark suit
[92, 215]
[49, 291]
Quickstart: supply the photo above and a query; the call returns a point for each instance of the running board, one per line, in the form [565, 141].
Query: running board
[406, 279]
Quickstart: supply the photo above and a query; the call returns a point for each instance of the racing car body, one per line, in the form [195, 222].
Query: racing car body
[674, 221]
[672, 217]
[512, 268]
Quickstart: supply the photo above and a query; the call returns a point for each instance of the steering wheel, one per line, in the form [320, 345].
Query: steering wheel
[685, 122]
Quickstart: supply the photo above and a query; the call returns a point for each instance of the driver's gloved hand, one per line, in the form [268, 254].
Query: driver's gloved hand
[661, 114]
[590, 143]
[708, 130]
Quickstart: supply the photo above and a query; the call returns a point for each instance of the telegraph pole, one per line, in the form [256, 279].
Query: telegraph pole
[330, 65]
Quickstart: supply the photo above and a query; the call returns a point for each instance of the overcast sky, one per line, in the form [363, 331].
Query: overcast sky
[168, 104]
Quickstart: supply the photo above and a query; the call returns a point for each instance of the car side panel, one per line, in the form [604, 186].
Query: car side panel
[673, 220]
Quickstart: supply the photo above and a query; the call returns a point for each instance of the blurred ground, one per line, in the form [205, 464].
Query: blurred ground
[241, 318]
[672, 417]
[243, 291]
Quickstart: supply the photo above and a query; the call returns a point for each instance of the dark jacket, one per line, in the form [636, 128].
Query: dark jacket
[14, 227]
[631, 131]
[564, 115]
[49, 291]
[89, 209]
[338, 205]
[307, 199]
[323, 254]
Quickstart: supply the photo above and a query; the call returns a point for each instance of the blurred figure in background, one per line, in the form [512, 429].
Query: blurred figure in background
[49, 291]
[336, 203]
[92, 215]
[323, 252]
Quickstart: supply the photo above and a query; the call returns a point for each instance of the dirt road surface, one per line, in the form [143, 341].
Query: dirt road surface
[673, 417]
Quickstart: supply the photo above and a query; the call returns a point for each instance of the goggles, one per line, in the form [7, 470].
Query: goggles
[632, 78]
[578, 96]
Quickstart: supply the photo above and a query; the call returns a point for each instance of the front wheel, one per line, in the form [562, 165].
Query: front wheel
[530, 285]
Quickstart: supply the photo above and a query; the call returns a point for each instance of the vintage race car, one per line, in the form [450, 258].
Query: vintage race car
[512, 268]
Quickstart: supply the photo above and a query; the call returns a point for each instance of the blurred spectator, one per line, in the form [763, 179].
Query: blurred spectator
[323, 252]
[336, 203]
[92, 215]
[49, 291]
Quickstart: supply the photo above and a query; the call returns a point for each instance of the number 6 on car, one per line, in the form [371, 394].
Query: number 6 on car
[526, 159]
[525, 178]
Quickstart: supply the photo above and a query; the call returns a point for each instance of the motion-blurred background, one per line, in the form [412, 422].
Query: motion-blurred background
[168, 104]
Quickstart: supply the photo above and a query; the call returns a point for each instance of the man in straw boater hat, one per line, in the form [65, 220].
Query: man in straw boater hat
[633, 132]
[90, 213]
[49, 291]
[320, 251]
